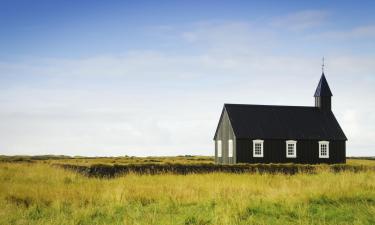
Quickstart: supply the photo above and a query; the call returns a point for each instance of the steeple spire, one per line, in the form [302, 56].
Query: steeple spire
[323, 93]
[323, 88]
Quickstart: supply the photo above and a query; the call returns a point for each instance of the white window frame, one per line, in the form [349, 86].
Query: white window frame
[294, 143]
[321, 143]
[219, 148]
[230, 148]
[261, 142]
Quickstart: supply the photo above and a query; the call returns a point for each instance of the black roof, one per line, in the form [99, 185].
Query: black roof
[283, 122]
[323, 88]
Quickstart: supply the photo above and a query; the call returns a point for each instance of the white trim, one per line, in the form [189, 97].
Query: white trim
[294, 143]
[321, 145]
[219, 148]
[230, 148]
[261, 148]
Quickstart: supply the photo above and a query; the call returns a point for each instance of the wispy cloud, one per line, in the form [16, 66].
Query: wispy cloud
[359, 32]
[301, 20]
[230, 37]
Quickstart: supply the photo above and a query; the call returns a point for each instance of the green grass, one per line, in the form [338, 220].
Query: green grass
[38, 193]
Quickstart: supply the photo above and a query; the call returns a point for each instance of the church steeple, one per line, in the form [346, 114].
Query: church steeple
[323, 94]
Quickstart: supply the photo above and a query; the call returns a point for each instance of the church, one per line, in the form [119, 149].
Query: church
[281, 134]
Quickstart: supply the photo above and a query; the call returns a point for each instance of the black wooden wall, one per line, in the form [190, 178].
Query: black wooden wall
[275, 152]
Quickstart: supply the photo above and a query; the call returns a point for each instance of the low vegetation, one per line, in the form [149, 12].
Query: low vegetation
[86, 161]
[37, 191]
[110, 171]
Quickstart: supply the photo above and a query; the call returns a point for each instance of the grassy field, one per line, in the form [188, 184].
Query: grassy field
[35, 192]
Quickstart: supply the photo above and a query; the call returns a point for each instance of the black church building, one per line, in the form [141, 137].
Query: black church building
[281, 134]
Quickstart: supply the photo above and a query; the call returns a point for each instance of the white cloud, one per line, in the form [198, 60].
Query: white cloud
[360, 32]
[228, 37]
[301, 20]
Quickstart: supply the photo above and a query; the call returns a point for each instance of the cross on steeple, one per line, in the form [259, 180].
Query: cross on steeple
[323, 65]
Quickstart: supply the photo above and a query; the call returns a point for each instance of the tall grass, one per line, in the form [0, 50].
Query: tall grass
[36, 193]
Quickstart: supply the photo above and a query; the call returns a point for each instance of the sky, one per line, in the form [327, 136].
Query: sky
[149, 78]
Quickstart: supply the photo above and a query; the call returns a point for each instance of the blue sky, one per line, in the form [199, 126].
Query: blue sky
[84, 28]
[147, 77]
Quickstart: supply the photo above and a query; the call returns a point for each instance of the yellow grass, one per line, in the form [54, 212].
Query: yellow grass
[38, 193]
[360, 162]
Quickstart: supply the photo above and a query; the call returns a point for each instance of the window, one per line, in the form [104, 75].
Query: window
[219, 150]
[291, 149]
[323, 149]
[258, 148]
[230, 148]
